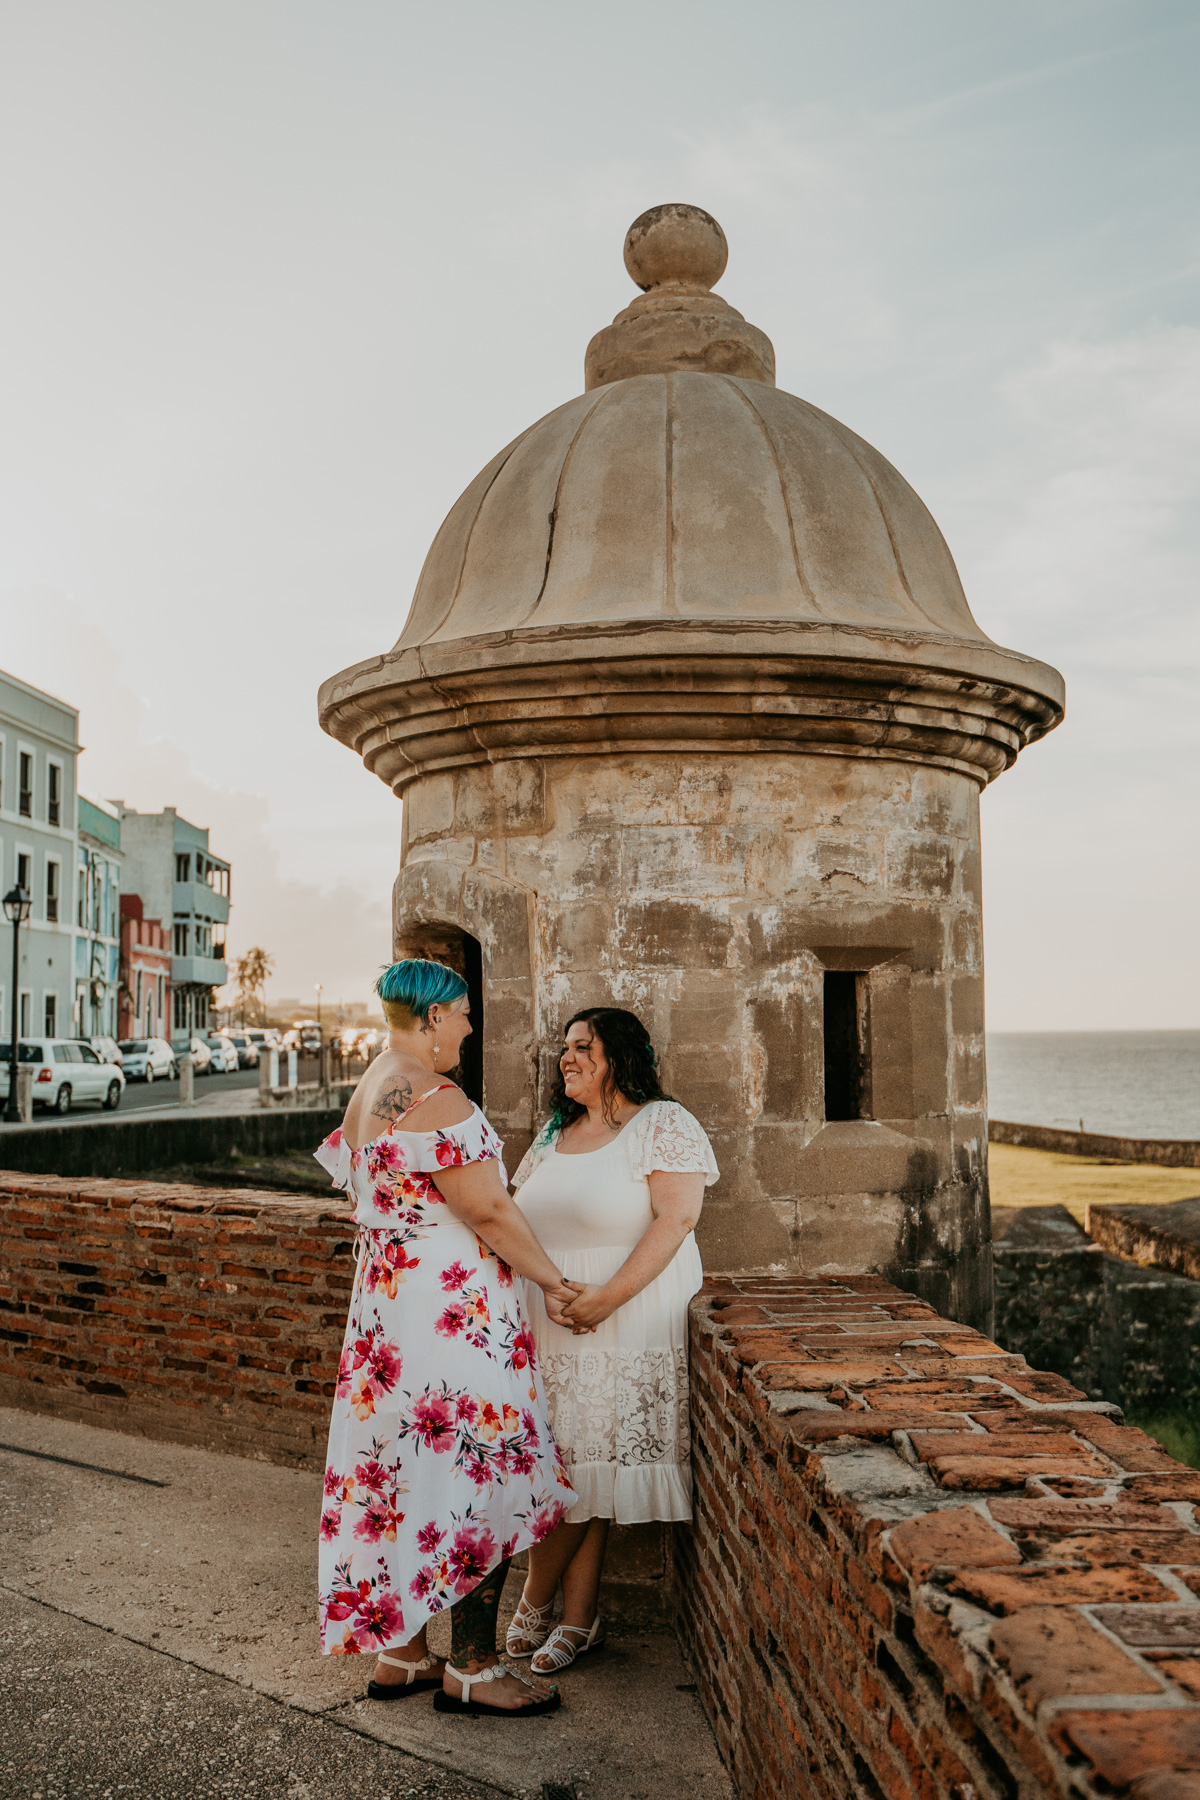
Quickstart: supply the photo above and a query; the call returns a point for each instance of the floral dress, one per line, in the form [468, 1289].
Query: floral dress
[441, 1460]
[619, 1395]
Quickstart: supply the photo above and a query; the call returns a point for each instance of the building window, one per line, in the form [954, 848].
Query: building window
[180, 1011]
[25, 785]
[137, 997]
[183, 866]
[26, 1013]
[846, 1072]
[25, 873]
[181, 940]
[160, 996]
[54, 795]
[52, 895]
[51, 1011]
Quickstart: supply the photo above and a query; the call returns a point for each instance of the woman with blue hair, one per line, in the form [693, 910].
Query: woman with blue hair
[441, 1460]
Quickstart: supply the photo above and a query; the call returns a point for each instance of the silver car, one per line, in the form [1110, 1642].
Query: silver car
[148, 1059]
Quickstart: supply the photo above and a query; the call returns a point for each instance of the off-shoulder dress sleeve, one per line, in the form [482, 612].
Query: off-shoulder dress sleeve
[666, 1137]
[540, 1147]
[471, 1141]
[335, 1155]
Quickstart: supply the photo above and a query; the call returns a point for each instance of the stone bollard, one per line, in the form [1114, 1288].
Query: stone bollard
[187, 1081]
[264, 1077]
[293, 1068]
[25, 1094]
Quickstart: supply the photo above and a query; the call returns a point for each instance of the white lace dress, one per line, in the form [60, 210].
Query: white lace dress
[618, 1397]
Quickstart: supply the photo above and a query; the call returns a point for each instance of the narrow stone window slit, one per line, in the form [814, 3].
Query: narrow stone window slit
[847, 1086]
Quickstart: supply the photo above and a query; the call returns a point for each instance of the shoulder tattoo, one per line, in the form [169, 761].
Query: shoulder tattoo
[392, 1102]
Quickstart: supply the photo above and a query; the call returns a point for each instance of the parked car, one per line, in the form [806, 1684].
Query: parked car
[67, 1070]
[224, 1054]
[201, 1055]
[108, 1050]
[148, 1059]
[247, 1049]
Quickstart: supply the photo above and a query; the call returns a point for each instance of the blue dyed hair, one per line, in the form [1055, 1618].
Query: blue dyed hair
[408, 990]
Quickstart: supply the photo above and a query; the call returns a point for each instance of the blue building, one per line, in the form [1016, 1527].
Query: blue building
[39, 753]
[169, 866]
[97, 920]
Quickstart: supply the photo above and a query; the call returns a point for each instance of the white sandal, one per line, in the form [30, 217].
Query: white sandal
[463, 1703]
[412, 1683]
[560, 1653]
[530, 1624]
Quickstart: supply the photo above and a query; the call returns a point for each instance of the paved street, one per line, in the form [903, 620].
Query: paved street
[159, 1643]
[84, 1712]
[141, 1097]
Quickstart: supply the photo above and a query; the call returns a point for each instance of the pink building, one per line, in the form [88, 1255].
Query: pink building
[145, 1007]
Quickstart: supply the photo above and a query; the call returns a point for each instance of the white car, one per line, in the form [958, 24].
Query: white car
[67, 1070]
[148, 1059]
[201, 1055]
[224, 1055]
[108, 1050]
[247, 1049]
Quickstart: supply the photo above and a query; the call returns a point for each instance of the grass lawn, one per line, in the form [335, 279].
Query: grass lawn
[1023, 1177]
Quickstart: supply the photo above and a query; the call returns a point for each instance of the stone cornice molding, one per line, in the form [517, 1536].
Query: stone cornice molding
[678, 687]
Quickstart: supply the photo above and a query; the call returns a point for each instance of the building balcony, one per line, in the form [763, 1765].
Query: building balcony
[197, 899]
[206, 971]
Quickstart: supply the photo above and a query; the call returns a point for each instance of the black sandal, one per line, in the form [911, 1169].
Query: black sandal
[477, 1709]
[413, 1683]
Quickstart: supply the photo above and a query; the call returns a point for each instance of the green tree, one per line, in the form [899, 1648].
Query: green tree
[251, 972]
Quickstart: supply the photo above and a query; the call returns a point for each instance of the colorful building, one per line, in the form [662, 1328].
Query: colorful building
[174, 874]
[39, 751]
[97, 921]
[145, 1009]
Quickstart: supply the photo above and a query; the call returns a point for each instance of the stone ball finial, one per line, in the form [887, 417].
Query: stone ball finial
[675, 243]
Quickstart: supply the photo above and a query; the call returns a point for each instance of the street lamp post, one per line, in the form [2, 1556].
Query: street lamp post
[319, 1006]
[17, 906]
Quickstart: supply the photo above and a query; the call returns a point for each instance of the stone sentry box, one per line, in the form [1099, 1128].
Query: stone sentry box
[690, 714]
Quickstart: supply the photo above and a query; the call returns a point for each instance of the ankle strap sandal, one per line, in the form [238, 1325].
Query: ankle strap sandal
[464, 1703]
[559, 1652]
[530, 1625]
[416, 1681]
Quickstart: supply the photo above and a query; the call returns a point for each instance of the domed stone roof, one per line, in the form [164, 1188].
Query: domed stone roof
[686, 557]
[688, 496]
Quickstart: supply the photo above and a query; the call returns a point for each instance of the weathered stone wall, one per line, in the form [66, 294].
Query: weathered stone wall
[710, 894]
[1118, 1329]
[920, 1568]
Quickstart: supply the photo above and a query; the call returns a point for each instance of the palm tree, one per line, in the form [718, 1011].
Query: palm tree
[251, 972]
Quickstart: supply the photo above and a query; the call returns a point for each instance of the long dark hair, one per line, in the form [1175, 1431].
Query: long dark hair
[632, 1064]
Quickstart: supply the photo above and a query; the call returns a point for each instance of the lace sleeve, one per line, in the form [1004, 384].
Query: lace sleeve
[667, 1137]
[539, 1148]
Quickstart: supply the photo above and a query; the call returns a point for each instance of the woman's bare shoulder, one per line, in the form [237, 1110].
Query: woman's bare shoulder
[448, 1106]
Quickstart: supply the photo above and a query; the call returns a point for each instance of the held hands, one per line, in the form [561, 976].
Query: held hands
[589, 1307]
[558, 1298]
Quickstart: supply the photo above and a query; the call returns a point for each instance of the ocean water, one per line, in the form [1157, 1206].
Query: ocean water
[1128, 1083]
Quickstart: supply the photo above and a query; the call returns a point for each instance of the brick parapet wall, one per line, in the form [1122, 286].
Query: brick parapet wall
[205, 1317]
[920, 1568]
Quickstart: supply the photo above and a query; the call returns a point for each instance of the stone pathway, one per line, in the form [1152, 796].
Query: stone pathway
[209, 1562]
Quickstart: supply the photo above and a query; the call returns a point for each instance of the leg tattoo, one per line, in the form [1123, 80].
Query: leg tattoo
[473, 1620]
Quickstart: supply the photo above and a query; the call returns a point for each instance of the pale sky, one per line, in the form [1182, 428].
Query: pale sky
[279, 278]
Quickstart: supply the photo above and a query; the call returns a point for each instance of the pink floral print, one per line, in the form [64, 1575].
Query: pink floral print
[441, 1461]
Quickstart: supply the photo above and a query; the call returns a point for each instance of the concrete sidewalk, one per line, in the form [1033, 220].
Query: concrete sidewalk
[211, 1561]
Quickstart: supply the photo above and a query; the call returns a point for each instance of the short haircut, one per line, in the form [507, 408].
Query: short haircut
[408, 990]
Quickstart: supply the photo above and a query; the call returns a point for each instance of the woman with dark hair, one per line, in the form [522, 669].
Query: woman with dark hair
[441, 1460]
[614, 1184]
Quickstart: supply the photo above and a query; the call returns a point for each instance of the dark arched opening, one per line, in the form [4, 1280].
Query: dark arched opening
[459, 950]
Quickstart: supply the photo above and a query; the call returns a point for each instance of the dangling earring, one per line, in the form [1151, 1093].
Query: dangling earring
[435, 1054]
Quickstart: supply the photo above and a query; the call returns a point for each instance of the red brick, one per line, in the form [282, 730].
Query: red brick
[1123, 1746]
[1007, 1591]
[953, 1538]
[1053, 1651]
